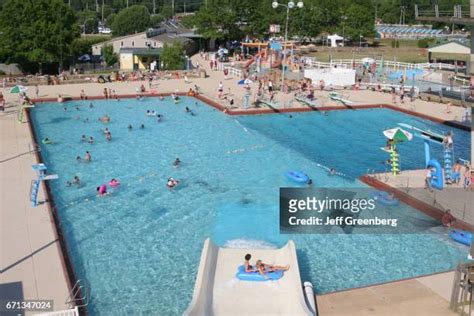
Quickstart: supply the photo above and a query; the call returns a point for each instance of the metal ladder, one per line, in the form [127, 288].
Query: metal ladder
[461, 295]
[80, 294]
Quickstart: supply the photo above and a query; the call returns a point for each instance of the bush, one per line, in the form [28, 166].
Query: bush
[2, 73]
[392, 43]
[397, 44]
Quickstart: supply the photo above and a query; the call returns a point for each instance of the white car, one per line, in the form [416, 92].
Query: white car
[105, 30]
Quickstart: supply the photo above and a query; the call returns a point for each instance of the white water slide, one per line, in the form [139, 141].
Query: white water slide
[218, 292]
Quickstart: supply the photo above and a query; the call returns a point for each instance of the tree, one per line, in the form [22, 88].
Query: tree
[173, 56]
[156, 20]
[215, 22]
[109, 56]
[83, 45]
[36, 32]
[88, 20]
[360, 21]
[132, 20]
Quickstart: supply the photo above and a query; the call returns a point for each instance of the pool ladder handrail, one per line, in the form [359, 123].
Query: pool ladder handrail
[80, 294]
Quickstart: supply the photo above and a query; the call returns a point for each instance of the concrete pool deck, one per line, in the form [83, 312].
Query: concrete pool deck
[30, 250]
[424, 296]
[31, 260]
[410, 183]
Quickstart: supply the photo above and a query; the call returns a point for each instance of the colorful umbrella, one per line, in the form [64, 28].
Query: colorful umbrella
[18, 89]
[398, 135]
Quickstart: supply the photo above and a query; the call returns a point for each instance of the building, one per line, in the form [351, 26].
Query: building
[450, 52]
[142, 50]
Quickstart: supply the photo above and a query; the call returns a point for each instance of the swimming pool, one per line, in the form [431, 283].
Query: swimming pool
[139, 247]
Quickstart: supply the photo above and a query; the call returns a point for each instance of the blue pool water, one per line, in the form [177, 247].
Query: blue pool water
[139, 247]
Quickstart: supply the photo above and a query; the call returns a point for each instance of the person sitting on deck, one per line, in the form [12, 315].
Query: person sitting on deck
[448, 219]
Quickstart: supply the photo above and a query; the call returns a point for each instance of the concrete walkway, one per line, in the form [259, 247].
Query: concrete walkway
[426, 296]
[31, 261]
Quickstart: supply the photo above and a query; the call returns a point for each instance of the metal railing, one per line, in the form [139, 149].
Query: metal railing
[79, 295]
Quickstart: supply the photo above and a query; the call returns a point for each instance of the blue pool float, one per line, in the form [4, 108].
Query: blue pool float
[257, 277]
[384, 198]
[297, 176]
[462, 237]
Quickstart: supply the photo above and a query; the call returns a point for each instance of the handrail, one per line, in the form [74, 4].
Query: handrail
[78, 289]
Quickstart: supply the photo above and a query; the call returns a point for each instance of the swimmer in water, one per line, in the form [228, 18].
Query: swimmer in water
[325, 113]
[102, 190]
[158, 118]
[76, 180]
[91, 140]
[176, 162]
[77, 108]
[148, 112]
[91, 105]
[332, 171]
[65, 108]
[142, 126]
[130, 127]
[172, 183]
[162, 97]
[188, 110]
[106, 130]
[78, 158]
[310, 182]
[108, 137]
[88, 156]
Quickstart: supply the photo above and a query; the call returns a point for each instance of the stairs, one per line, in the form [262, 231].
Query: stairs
[394, 161]
[448, 155]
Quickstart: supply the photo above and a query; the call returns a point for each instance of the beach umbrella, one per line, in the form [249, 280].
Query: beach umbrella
[18, 89]
[398, 135]
[245, 81]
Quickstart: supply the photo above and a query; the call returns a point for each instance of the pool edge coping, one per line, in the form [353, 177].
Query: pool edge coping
[232, 112]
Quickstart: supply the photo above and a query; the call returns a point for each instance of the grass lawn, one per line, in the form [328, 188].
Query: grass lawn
[407, 52]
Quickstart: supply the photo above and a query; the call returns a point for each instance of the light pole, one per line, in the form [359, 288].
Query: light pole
[360, 40]
[290, 5]
[343, 18]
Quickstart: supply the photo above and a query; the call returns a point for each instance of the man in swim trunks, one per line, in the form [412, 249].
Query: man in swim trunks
[88, 156]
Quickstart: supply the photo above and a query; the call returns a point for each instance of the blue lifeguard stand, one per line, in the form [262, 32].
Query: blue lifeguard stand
[41, 175]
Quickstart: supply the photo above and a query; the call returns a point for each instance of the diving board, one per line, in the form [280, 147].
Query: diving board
[337, 97]
[218, 292]
[307, 101]
[268, 103]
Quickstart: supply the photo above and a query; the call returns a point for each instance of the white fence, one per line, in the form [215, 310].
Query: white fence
[349, 63]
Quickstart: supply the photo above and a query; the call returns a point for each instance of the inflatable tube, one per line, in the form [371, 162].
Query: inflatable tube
[383, 197]
[462, 237]
[436, 175]
[114, 184]
[297, 176]
[257, 277]
[47, 141]
[176, 101]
